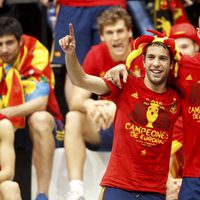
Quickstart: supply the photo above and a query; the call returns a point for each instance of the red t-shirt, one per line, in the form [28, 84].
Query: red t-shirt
[188, 82]
[90, 3]
[178, 130]
[98, 61]
[142, 137]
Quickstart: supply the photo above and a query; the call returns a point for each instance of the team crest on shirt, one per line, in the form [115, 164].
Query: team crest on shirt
[150, 122]
[152, 114]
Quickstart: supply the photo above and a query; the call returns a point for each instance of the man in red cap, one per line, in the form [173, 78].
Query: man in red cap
[188, 83]
[188, 43]
[186, 38]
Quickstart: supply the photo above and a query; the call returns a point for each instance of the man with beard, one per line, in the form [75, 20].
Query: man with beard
[140, 154]
[90, 120]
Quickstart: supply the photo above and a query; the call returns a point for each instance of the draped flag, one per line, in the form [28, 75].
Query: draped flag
[19, 81]
[167, 13]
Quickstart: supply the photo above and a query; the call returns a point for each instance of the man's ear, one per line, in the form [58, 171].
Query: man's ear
[130, 33]
[196, 47]
[102, 38]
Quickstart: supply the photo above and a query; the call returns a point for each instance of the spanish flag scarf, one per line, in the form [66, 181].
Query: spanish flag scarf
[17, 80]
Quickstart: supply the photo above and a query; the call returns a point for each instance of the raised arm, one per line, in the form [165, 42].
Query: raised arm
[77, 75]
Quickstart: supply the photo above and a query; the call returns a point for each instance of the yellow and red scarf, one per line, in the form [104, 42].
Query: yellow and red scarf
[17, 80]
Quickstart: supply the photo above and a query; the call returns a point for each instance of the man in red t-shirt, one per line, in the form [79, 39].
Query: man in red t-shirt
[146, 112]
[90, 120]
[187, 83]
[188, 43]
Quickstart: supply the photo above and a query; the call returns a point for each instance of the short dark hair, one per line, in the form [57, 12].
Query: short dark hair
[159, 44]
[10, 26]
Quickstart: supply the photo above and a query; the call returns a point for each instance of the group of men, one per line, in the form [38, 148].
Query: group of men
[27, 59]
[146, 109]
[145, 117]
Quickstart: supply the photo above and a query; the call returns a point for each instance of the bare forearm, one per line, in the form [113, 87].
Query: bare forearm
[27, 108]
[30, 107]
[74, 69]
[79, 78]
[76, 73]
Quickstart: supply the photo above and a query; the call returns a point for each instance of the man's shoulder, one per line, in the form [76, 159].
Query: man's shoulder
[30, 41]
[197, 56]
[189, 61]
[101, 47]
[28, 38]
[98, 52]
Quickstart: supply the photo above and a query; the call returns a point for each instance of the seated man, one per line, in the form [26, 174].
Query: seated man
[90, 121]
[9, 190]
[26, 82]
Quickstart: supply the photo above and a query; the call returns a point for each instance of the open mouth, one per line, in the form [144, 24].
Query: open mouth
[155, 71]
[118, 47]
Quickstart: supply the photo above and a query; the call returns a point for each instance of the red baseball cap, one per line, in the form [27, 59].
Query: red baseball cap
[185, 30]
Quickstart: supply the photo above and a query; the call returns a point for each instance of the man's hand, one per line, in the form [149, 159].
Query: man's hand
[68, 43]
[113, 75]
[8, 112]
[173, 187]
[100, 112]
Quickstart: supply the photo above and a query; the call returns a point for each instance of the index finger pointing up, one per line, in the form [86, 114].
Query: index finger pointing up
[71, 30]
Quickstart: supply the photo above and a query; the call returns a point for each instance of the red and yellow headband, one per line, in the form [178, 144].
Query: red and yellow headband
[142, 41]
